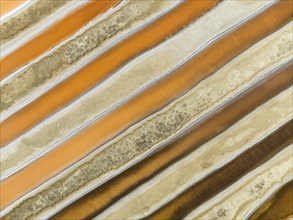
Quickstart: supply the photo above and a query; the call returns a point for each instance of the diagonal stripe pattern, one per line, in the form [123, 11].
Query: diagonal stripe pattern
[134, 109]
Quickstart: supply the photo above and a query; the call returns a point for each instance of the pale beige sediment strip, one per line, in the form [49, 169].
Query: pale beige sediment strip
[210, 157]
[24, 35]
[36, 78]
[52, 55]
[154, 64]
[30, 15]
[48, 53]
[277, 205]
[147, 135]
[241, 197]
[62, 29]
[266, 199]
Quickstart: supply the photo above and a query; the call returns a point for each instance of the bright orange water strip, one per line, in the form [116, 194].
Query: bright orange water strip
[54, 35]
[9, 5]
[184, 78]
[102, 67]
[98, 200]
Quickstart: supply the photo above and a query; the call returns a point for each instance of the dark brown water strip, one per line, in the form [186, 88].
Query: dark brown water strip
[107, 194]
[214, 183]
[278, 206]
[184, 78]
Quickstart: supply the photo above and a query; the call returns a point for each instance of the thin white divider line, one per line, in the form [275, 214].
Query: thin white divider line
[38, 27]
[144, 155]
[73, 69]
[106, 112]
[264, 199]
[156, 178]
[65, 41]
[242, 179]
[15, 11]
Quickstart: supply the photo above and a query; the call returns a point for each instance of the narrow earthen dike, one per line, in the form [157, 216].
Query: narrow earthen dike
[146, 110]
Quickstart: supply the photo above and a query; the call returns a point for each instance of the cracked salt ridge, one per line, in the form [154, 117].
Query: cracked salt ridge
[39, 45]
[270, 175]
[88, 171]
[30, 15]
[18, 91]
[134, 176]
[270, 207]
[73, 143]
[43, 109]
[195, 195]
[84, 107]
[30, 31]
[235, 140]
